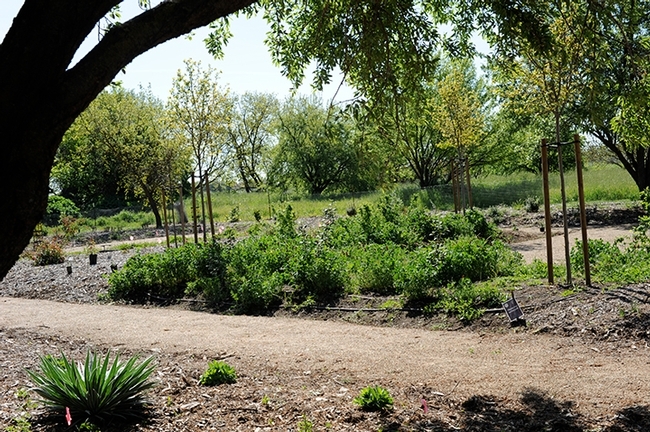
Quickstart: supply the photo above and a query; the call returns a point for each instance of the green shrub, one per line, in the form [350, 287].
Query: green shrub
[454, 225]
[374, 398]
[126, 216]
[48, 251]
[210, 264]
[609, 264]
[164, 274]
[97, 390]
[315, 272]
[372, 268]
[418, 277]
[257, 271]
[468, 300]
[600, 252]
[234, 214]
[286, 223]
[475, 259]
[218, 373]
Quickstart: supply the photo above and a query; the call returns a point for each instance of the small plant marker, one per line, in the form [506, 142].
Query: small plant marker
[513, 311]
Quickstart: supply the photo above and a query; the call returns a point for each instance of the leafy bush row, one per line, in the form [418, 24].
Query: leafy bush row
[388, 250]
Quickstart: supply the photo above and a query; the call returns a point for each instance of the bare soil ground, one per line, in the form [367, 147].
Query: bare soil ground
[581, 363]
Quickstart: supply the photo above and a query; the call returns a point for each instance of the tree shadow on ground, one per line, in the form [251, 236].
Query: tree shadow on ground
[632, 419]
[533, 412]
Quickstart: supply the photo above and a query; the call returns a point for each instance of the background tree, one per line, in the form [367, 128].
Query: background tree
[407, 128]
[130, 137]
[199, 111]
[42, 92]
[616, 96]
[546, 83]
[251, 135]
[315, 149]
[459, 113]
[82, 173]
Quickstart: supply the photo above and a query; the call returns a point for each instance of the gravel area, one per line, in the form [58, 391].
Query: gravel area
[52, 282]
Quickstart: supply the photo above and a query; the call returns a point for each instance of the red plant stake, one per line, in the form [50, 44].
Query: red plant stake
[425, 407]
[68, 416]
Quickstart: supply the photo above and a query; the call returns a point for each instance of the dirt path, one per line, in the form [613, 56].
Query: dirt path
[504, 365]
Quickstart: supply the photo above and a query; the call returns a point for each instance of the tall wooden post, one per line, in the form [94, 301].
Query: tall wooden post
[567, 246]
[182, 216]
[547, 213]
[194, 216]
[203, 225]
[207, 185]
[164, 203]
[583, 209]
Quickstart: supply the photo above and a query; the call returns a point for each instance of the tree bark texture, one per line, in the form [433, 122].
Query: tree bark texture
[41, 95]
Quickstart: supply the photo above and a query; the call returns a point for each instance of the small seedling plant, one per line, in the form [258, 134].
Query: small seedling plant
[218, 372]
[374, 398]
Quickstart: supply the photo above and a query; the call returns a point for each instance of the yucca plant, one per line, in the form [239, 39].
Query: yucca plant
[374, 398]
[97, 389]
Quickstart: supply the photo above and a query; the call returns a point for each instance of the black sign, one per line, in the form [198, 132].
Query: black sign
[513, 310]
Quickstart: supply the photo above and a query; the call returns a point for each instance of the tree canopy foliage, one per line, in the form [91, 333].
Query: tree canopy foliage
[126, 135]
[42, 92]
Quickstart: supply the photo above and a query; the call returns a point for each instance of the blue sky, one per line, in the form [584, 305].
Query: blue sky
[246, 65]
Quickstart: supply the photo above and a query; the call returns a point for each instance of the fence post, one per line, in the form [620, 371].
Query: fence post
[547, 213]
[583, 210]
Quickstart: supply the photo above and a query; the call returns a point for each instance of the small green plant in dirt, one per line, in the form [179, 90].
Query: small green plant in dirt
[305, 425]
[97, 390]
[218, 372]
[88, 427]
[374, 398]
[391, 304]
[20, 424]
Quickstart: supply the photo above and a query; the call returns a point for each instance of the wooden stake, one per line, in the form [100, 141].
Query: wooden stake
[547, 213]
[194, 217]
[164, 203]
[182, 203]
[583, 209]
[207, 184]
[567, 247]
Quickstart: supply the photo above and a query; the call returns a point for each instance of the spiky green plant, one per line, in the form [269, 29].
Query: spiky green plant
[96, 389]
[374, 398]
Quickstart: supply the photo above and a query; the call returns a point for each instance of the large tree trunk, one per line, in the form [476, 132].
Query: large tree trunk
[40, 96]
